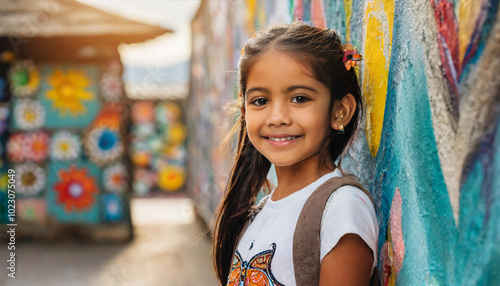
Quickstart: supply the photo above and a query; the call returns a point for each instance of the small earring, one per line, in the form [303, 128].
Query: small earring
[341, 131]
[341, 116]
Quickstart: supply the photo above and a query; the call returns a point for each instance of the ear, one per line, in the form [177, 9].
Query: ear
[343, 112]
[243, 110]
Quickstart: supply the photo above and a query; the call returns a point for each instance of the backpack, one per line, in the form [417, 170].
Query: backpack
[306, 238]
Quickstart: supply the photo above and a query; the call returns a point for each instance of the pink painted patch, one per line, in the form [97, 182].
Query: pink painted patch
[386, 264]
[298, 12]
[318, 14]
[398, 244]
[32, 210]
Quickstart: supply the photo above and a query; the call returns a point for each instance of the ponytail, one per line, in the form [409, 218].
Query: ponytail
[248, 177]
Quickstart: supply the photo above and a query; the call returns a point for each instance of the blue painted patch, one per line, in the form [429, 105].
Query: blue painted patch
[4, 215]
[112, 207]
[107, 139]
[3, 89]
[336, 17]
[479, 242]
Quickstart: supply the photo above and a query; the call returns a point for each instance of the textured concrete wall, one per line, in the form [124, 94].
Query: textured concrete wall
[428, 148]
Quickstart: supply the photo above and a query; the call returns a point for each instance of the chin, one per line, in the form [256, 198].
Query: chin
[282, 163]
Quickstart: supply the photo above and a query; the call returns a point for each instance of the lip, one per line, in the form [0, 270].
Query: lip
[281, 143]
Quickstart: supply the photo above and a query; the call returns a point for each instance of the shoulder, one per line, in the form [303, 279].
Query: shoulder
[348, 210]
[350, 195]
[348, 206]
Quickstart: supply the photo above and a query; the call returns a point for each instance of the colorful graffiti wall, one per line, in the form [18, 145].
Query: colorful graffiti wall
[157, 148]
[429, 144]
[62, 149]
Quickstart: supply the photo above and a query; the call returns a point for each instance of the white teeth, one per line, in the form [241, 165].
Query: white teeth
[281, 139]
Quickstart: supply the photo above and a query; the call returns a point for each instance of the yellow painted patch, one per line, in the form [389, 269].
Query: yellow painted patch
[261, 15]
[251, 14]
[378, 40]
[348, 15]
[171, 178]
[34, 79]
[468, 12]
[68, 92]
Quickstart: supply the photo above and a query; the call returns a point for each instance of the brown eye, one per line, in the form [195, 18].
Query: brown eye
[300, 99]
[259, 101]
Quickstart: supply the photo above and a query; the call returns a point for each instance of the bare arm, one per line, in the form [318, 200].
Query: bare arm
[348, 263]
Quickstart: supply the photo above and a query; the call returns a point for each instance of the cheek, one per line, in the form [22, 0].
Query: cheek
[317, 123]
[320, 129]
[252, 127]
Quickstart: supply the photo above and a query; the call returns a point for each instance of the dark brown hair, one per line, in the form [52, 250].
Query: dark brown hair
[321, 51]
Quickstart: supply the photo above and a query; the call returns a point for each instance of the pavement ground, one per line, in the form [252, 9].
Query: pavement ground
[169, 249]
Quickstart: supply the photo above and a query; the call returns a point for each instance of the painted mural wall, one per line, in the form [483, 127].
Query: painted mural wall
[429, 144]
[62, 150]
[157, 148]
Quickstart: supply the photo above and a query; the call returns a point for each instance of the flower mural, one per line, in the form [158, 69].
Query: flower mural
[67, 115]
[142, 158]
[65, 146]
[30, 179]
[157, 141]
[29, 114]
[76, 189]
[176, 155]
[103, 145]
[171, 178]
[143, 111]
[15, 147]
[24, 79]
[110, 115]
[113, 207]
[175, 133]
[69, 91]
[168, 112]
[28, 146]
[36, 146]
[115, 178]
[144, 180]
[143, 130]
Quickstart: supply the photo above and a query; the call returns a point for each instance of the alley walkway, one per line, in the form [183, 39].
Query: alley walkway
[168, 249]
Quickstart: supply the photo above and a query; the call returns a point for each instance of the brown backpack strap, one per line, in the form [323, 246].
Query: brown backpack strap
[306, 239]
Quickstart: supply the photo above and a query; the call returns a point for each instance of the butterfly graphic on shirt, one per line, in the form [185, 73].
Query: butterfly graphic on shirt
[255, 272]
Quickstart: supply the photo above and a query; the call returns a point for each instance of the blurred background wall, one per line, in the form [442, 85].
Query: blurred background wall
[72, 131]
[427, 148]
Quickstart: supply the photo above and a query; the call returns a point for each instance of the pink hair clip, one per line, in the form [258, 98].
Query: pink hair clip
[351, 56]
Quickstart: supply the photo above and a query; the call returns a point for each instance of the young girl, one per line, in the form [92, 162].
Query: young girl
[300, 102]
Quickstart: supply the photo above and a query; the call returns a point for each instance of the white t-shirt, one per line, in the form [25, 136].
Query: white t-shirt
[269, 238]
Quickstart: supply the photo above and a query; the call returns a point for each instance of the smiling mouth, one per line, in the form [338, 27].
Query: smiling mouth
[282, 139]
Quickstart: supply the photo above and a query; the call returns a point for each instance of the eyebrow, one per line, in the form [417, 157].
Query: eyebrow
[291, 88]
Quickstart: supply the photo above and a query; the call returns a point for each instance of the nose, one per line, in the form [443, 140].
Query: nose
[280, 114]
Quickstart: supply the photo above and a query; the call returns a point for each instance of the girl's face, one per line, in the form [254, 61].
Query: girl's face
[286, 110]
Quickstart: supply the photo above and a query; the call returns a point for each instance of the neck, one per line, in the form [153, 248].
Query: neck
[295, 177]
